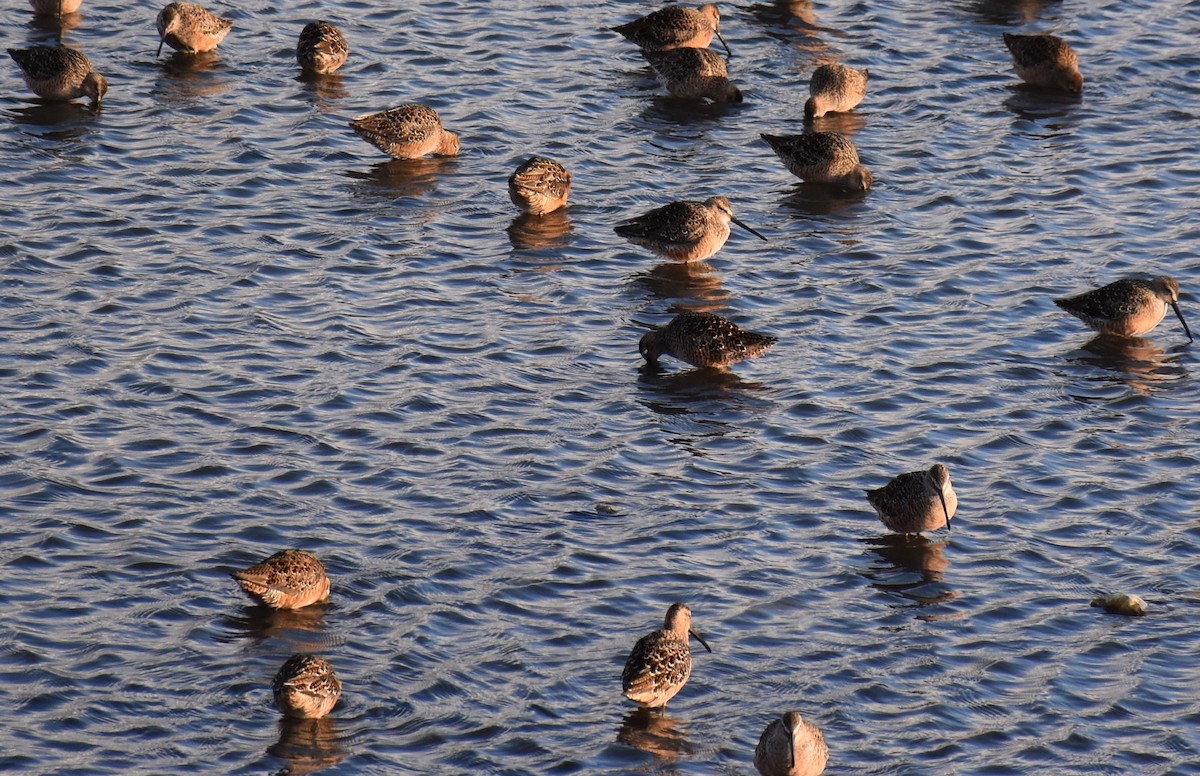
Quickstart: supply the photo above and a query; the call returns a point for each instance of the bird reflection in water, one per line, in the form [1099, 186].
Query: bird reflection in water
[1008, 12]
[307, 745]
[529, 232]
[62, 120]
[289, 625]
[1142, 364]
[187, 77]
[324, 89]
[913, 566]
[820, 199]
[655, 733]
[405, 177]
[696, 281]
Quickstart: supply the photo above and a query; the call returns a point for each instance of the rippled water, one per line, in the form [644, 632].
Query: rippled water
[230, 326]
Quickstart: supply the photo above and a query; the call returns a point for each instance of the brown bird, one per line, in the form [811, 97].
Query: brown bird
[190, 28]
[55, 7]
[917, 501]
[408, 131]
[676, 26]
[321, 48]
[290, 579]
[661, 662]
[56, 73]
[1046, 61]
[539, 186]
[306, 687]
[834, 88]
[703, 340]
[693, 74]
[821, 157]
[1129, 307]
[791, 746]
[687, 230]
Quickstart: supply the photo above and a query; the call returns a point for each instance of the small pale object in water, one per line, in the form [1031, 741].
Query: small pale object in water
[306, 687]
[290, 579]
[1124, 603]
[1046, 61]
[57, 73]
[821, 157]
[703, 340]
[1129, 307]
[688, 230]
[791, 746]
[321, 48]
[190, 28]
[916, 501]
[661, 662]
[675, 27]
[835, 88]
[693, 74]
[408, 131]
[539, 186]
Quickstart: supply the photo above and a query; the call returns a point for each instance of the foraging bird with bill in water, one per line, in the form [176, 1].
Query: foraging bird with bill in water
[703, 340]
[289, 579]
[1129, 307]
[916, 501]
[791, 746]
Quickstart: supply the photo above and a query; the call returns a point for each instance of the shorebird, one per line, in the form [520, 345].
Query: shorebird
[291, 579]
[1046, 61]
[703, 340]
[688, 230]
[791, 746]
[321, 48]
[821, 157]
[55, 7]
[693, 73]
[408, 131]
[1129, 307]
[306, 687]
[834, 88]
[661, 662]
[55, 73]
[917, 501]
[190, 28]
[674, 27]
[539, 186]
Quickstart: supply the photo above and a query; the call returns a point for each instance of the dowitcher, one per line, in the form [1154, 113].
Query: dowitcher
[1127, 308]
[539, 186]
[675, 27]
[834, 88]
[55, 7]
[693, 73]
[687, 230]
[661, 662]
[190, 28]
[321, 48]
[791, 746]
[1046, 61]
[408, 131]
[703, 340]
[306, 687]
[55, 73]
[822, 157]
[917, 501]
[290, 579]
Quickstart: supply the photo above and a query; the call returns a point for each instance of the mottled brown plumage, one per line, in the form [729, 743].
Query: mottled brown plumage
[190, 29]
[1046, 61]
[57, 73]
[687, 230]
[834, 88]
[917, 501]
[661, 662]
[290, 579]
[408, 131]
[791, 746]
[306, 687]
[539, 186]
[693, 74]
[1129, 307]
[703, 340]
[674, 27]
[321, 48]
[821, 157]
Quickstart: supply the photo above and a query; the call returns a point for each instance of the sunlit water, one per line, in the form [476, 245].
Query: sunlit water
[230, 326]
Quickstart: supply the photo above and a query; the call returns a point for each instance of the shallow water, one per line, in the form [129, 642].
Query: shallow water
[231, 326]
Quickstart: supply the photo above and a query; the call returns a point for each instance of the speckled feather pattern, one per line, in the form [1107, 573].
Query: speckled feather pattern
[58, 73]
[290, 579]
[673, 27]
[835, 88]
[660, 662]
[539, 186]
[687, 230]
[693, 73]
[791, 746]
[704, 340]
[190, 28]
[306, 687]
[321, 48]
[1129, 307]
[821, 157]
[407, 131]
[910, 504]
[1046, 61]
